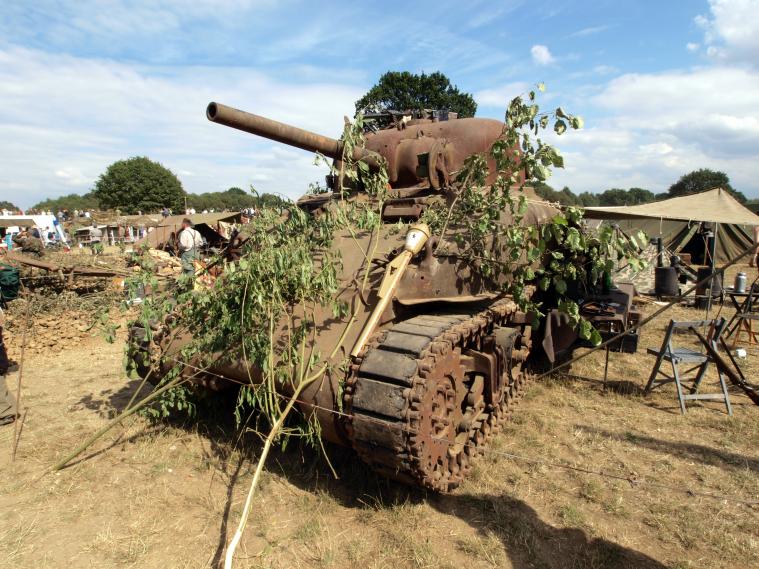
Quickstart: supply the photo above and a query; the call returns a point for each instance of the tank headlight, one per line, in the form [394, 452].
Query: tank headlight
[417, 236]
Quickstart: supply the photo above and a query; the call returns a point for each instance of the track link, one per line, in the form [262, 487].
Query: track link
[416, 415]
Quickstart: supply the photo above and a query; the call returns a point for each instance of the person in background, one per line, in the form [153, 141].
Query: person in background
[28, 243]
[190, 242]
[165, 212]
[755, 257]
[7, 401]
[96, 239]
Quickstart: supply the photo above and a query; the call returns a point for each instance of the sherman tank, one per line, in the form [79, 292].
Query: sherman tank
[438, 355]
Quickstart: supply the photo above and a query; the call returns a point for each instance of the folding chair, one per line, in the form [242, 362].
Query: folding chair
[675, 356]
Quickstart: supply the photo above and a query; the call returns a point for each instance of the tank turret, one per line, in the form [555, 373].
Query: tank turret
[420, 153]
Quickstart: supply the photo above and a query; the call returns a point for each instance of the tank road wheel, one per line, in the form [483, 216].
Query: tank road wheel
[425, 396]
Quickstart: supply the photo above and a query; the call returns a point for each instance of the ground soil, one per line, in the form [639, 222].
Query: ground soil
[169, 495]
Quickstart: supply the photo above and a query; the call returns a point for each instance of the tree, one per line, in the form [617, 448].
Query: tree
[702, 180]
[70, 202]
[588, 199]
[639, 195]
[612, 197]
[8, 205]
[565, 196]
[401, 91]
[138, 183]
[233, 199]
[633, 196]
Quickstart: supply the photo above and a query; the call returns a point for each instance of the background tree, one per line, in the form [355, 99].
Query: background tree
[401, 90]
[633, 196]
[8, 205]
[138, 183]
[233, 199]
[702, 180]
[70, 202]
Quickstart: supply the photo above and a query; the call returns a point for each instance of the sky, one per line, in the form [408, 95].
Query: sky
[664, 87]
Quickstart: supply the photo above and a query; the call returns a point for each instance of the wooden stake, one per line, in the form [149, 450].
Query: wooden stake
[16, 428]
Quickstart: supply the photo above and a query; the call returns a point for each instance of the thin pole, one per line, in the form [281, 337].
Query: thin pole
[712, 250]
[16, 428]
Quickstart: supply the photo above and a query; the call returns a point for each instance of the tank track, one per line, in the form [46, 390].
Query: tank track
[414, 411]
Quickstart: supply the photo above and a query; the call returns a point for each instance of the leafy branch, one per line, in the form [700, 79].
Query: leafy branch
[489, 222]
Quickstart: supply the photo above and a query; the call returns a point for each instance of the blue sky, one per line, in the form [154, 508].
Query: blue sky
[664, 87]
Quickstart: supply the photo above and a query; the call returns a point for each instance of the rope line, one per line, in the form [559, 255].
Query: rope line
[634, 481]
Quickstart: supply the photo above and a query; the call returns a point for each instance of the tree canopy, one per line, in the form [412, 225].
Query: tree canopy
[8, 205]
[610, 197]
[401, 90]
[702, 180]
[233, 199]
[139, 184]
[70, 202]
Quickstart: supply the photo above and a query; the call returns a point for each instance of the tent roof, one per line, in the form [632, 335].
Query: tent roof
[715, 205]
[207, 218]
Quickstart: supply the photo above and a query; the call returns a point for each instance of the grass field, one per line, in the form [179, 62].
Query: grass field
[170, 495]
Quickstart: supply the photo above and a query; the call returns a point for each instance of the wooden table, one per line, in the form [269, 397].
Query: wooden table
[744, 311]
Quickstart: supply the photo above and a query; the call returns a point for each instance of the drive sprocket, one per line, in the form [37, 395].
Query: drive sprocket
[421, 402]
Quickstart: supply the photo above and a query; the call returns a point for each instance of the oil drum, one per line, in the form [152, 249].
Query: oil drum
[703, 289]
[665, 281]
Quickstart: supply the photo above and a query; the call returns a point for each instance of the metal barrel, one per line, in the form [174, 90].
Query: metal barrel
[281, 132]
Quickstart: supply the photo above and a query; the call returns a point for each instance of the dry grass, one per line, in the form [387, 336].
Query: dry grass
[168, 496]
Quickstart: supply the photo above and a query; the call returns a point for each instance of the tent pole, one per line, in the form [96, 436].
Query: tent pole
[712, 246]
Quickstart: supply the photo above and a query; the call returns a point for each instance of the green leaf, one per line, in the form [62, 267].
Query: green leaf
[595, 337]
[577, 123]
[560, 284]
[573, 239]
[541, 172]
[541, 87]
[584, 329]
[560, 127]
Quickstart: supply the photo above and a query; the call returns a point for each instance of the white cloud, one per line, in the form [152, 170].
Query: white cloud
[64, 119]
[486, 14]
[660, 126]
[589, 31]
[731, 30]
[605, 70]
[500, 96]
[541, 55]
[692, 47]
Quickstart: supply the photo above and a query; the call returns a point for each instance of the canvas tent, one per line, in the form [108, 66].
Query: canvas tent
[214, 227]
[677, 221]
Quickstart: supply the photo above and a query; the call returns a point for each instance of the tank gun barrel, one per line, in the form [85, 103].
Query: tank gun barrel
[284, 133]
